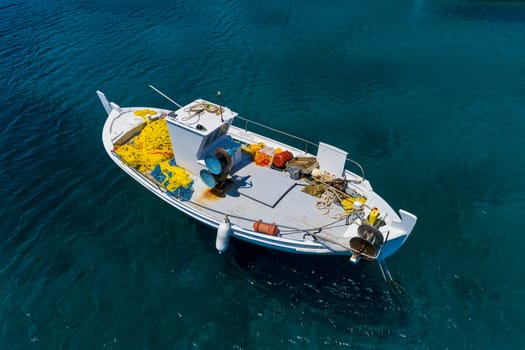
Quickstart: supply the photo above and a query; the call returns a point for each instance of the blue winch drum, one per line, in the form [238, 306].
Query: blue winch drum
[214, 165]
[220, 161]
[208, 178]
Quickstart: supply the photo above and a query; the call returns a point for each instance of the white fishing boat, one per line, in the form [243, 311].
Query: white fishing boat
[260, 189]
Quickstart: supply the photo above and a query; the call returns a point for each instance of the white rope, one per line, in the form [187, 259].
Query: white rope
[327, 199]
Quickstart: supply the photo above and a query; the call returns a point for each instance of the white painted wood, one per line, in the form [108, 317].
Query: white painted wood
[331, 159]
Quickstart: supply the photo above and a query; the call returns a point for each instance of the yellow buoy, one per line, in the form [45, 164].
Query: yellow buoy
[372, 217]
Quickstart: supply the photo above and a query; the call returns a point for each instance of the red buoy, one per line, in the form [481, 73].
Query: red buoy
[269, 229]
[280, 159]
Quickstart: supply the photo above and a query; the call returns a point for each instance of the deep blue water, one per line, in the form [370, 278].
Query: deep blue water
[428, 95]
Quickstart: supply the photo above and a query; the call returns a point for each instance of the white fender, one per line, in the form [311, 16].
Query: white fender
[223, 235]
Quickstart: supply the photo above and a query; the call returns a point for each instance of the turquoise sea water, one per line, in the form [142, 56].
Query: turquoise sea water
[428, 95]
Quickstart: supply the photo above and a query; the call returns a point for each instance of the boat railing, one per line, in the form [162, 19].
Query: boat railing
[305, 143]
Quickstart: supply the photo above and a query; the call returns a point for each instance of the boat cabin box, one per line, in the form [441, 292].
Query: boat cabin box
[197, 130]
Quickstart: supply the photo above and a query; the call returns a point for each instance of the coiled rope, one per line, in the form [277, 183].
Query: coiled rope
[327, 199]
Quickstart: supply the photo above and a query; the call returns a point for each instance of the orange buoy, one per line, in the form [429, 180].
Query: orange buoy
[280, 159]
[262, 227]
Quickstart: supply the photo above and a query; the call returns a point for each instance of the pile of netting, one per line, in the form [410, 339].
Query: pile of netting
[151, 151]
[175, 180]
[145, 113]
[151, 147]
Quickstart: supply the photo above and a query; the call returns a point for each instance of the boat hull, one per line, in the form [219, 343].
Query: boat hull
[305, 243]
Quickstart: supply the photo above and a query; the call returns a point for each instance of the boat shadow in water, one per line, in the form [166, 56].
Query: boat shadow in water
[330, 288]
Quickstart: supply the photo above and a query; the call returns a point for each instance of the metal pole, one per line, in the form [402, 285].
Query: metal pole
[165, 96]
[220, 108]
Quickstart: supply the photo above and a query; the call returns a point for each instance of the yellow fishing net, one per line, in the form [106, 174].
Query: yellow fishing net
[151, 147]
[251, 149]
[144, 113]
[175, 177]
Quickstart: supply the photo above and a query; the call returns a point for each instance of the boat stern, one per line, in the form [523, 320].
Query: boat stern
[400, 230]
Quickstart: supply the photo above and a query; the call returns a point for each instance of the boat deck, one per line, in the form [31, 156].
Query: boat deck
[261, 193]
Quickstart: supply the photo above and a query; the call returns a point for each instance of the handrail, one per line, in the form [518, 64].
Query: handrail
[247, 121]
[306, 142]
[360, 168]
